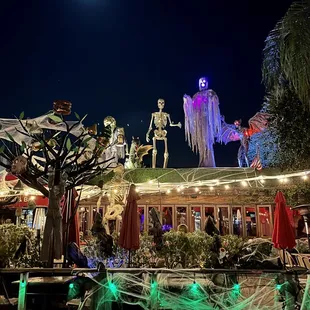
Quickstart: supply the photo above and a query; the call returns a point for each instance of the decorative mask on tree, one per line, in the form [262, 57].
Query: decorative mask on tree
[19, 165]
[62, 107]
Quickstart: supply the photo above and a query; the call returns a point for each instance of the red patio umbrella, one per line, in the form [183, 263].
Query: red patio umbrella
[129, 235]
[283, 236]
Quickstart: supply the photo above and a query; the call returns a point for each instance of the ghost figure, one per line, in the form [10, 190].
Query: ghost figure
[202, 122]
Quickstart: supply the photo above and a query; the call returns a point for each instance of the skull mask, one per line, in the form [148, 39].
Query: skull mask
[19, 165]
[161, 103]
[203, 83]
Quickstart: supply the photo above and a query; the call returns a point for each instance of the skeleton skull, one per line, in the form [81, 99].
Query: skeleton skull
[203, 83]
[109, 121]
[161, 103]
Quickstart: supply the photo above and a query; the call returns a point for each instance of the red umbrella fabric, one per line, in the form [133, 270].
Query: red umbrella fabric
[129, 235]
[283, 236]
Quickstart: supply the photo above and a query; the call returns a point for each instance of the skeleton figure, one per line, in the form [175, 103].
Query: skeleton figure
[160, 120]
[202, 122]
[118, 143]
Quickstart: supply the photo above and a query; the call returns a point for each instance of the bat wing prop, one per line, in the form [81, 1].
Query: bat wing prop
[228, 133]
[142, 151]
[259, 122]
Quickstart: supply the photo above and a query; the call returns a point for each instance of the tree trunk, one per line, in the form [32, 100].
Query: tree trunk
[53, 225]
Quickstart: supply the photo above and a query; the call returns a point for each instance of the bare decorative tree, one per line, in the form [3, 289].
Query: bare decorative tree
[53, 155]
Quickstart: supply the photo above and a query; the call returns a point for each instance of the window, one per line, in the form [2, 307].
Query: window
[167, 215]
[237, 220]
[141, 211]
[250, 221]
[223, 216]
[195, 218]
[181, 216]
[265, 228]
[209, 211]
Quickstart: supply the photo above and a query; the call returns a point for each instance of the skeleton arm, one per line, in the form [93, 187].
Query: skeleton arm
[150, 129]
[172, 124]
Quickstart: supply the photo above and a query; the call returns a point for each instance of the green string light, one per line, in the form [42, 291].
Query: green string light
[236, 287]
[113, 288]
[71, 286]
[278, 287]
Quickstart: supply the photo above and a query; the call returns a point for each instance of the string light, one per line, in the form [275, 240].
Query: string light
[305, 177]
[226, 186]
[211, 188]
[244, 183]
[168, 191]
[115, 191]
[196, 189]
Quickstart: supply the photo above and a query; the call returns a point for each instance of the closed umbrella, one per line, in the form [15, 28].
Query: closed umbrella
[129, 234]
[283, 236]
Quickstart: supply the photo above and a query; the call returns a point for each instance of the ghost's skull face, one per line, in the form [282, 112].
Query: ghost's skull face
[161, 103]
[109, 121]
[203, 83]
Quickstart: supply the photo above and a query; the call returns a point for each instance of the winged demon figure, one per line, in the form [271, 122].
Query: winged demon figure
[235, 132]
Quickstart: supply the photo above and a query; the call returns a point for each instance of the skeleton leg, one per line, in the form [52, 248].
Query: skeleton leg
[154, 153]
[166, 154]
[240, 154]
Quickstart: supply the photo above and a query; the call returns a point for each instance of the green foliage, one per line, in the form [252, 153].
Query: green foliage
[11, 237]
[266, 142]
[302, 246]
[287, 52]
[185, 250]
[297, 193]
[290, 123]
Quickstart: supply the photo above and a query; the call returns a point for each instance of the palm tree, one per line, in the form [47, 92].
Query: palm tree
[286, 56]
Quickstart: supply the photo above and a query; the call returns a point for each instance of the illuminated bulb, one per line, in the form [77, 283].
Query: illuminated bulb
[115, 191]
[150, 181]
[304, 177]
[178, 189]
[243, 183]
[168, 191]
[196, 189]
[88, 196]
[181, 187]
[71, 285]
[217, 182]
[262, 181]
[285, 180]
[32, 198]
[26, 193]
[108, 194]
[211, 188]
[137, 190]
[226, 186]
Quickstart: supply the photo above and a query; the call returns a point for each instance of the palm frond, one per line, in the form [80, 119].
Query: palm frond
[295, 49]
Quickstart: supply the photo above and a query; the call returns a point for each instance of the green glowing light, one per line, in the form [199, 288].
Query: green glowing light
[71, 286]
[112, 288]
[153, 285]
[236, 287]
[22, 284]
[278, 287]
[195, 286]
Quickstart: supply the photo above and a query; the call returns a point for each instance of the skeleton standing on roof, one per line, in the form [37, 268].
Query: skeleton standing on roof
[160, 120]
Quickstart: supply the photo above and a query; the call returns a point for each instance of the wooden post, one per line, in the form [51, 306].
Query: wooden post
[22, 292]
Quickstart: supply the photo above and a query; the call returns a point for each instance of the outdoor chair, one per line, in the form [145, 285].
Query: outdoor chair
[288, 259]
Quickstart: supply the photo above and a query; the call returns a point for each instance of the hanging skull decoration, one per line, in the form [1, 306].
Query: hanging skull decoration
[62, 107]
[19, 165]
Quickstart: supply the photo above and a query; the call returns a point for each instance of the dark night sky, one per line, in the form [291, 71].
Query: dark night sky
[117, 57]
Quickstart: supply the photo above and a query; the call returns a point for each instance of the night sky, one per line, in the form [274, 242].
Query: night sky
[112, 57]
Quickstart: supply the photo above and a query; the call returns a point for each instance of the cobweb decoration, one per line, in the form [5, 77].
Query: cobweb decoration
[183, 289]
